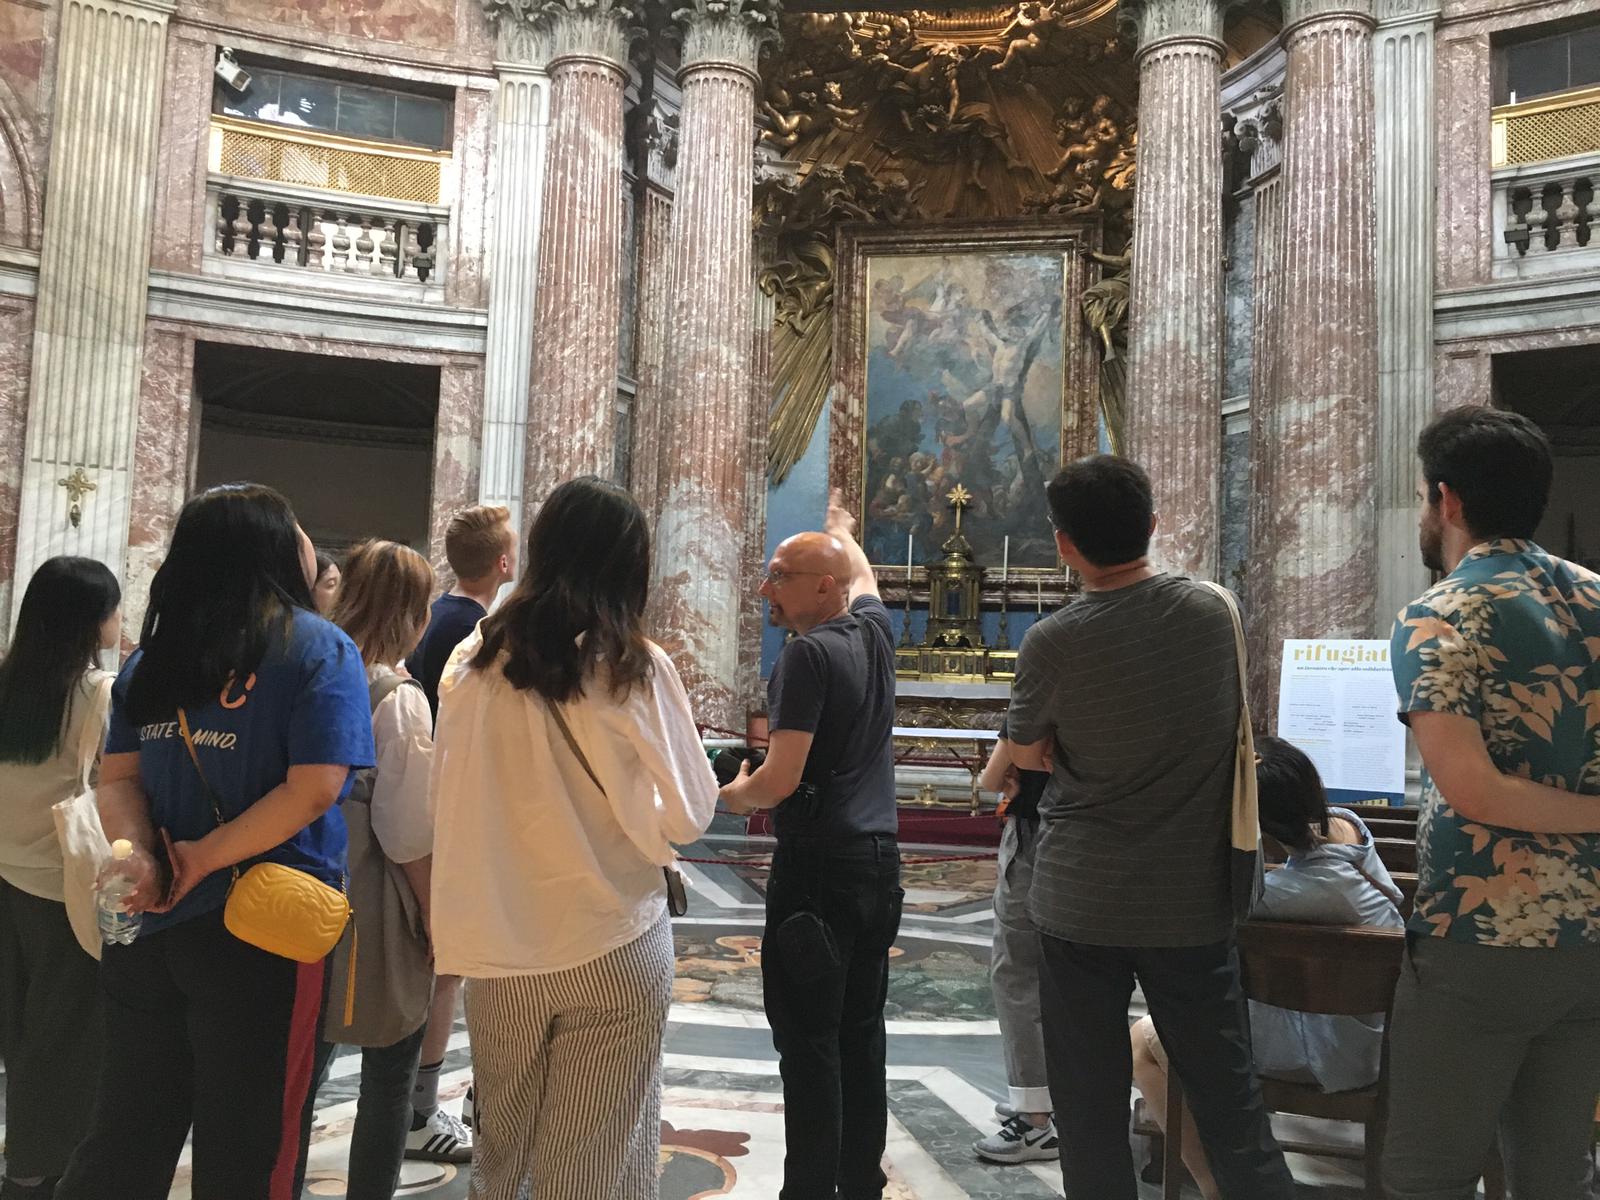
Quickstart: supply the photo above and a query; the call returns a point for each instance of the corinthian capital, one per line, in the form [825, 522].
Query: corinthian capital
[1155, 21]
[727, 32]
[539, 32]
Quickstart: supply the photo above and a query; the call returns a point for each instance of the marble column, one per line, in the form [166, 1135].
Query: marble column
[653, 310]
[517, 168]
[1268, 331]
[1403, 97]
[705, 394]
[578, 300]
[1322, 412]
[752, 690]
[1174, 417]
[93, 278]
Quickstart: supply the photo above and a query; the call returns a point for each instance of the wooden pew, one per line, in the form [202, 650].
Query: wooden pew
[1398, 854]
[1331, 969]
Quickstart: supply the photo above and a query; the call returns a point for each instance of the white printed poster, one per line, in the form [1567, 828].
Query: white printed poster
[1336, 701]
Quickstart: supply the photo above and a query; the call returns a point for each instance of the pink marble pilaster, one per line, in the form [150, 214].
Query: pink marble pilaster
[1462, 375]
[1465, 189]
[1175, 339]
[469, 223]
[16, 354]
[162, 458]
[571, 412]
[182, 224]
[456, 453]
[1322, 410]
[705, 396]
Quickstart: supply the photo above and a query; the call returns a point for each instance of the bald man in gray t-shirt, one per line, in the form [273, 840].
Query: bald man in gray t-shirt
[1134, 689]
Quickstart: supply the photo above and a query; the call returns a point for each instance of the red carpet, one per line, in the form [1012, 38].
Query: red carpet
[939, 826]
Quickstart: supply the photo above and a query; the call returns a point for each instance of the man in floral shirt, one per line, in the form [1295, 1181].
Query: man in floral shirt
[1497, 1015]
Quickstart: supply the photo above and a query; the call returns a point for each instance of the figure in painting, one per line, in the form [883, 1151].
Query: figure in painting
[964, 389]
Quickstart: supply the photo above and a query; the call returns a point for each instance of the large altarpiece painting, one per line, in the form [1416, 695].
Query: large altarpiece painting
[961, 360]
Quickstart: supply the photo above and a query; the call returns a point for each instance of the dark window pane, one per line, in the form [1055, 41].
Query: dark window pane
[366, 112]
[258, 102]
[1536, 68]
[1585, 58]
[420, 120]
[309, 103]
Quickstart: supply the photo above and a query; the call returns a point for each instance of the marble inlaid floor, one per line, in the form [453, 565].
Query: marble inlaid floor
[723, 1105]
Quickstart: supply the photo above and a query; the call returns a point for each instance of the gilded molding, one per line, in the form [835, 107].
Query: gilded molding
[726, 32]
[537, 33]
[1154, 22]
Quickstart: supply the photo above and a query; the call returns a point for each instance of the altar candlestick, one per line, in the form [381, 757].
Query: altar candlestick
[905, 627]
[1003, 641]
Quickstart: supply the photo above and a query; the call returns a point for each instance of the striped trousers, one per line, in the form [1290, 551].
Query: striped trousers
[567, 1070]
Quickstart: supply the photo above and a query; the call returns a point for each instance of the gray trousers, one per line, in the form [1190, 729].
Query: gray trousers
[1487, 1038]
[567, 1068]
[1014, 970]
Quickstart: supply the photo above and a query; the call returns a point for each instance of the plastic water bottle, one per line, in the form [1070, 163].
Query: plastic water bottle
[117, 925]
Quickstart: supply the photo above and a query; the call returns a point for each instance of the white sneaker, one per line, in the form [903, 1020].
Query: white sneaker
[1018, 1141]
[441, 1138]
[1003, 1110]
[469, 1109]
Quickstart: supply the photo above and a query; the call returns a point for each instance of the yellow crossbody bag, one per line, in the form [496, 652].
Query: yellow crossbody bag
[276, 908]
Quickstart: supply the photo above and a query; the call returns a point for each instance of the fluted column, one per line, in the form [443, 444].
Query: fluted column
[1403, 95]
[517, 158]
[1174, 416]
[93, 277]
[1323, 404]
[578, 302]
[705, 395]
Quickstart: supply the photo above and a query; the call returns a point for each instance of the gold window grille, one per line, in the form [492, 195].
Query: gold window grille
[251, 151]
[1549, 128]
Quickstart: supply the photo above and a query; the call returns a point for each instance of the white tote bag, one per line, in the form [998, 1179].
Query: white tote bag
[84, 848]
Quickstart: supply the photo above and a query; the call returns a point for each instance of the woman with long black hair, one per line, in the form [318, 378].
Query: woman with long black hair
[567, 763]
[202, 1028]
[53, 703]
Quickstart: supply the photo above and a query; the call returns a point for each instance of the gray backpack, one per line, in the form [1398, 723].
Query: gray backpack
[385, 947]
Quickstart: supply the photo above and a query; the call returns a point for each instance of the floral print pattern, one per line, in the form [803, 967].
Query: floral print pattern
[1511, 638]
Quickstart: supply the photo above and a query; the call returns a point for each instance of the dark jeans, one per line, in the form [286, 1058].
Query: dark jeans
[828, 1027]
[383, 1114]
[1198, 1007]
[203, 1030]
[50, 1034]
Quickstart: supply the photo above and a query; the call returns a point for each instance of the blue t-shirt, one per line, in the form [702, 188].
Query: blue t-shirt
[305, 704]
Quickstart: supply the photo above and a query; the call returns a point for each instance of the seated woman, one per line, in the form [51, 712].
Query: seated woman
[1332, 876]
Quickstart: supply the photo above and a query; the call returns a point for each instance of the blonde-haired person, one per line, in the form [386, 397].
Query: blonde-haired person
[481, 549]
[383, 606]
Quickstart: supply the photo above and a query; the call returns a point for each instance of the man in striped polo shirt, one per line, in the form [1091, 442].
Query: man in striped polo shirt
[1134, 685]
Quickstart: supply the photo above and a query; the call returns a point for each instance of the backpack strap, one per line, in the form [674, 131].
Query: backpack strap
[385, 683]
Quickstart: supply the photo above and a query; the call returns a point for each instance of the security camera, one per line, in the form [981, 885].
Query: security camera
[230, 72]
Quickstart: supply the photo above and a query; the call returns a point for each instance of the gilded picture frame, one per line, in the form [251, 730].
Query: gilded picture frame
[961, 358]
